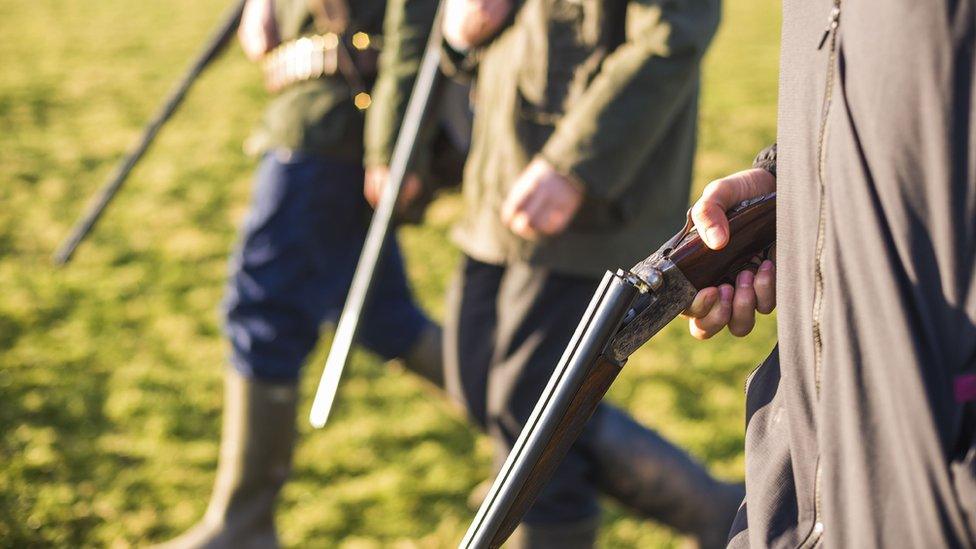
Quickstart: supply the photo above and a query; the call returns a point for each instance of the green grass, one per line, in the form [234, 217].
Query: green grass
[110, 369]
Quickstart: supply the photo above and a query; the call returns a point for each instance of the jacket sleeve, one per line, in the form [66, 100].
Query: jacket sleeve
[406, 27]
[766, 159]
[462, 66]
[642, 86]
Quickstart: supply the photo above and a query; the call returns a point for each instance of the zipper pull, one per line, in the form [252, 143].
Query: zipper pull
[833, 21]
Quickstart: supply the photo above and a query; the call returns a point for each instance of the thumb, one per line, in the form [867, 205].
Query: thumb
[720, 196]
[708, 214]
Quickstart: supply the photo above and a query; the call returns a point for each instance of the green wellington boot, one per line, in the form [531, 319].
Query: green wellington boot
[255, 459]
[652, 477]
[578, 535]
[426, 357]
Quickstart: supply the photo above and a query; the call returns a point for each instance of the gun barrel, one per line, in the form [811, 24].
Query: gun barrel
[211, 50]
[577, 386]
[424, 90]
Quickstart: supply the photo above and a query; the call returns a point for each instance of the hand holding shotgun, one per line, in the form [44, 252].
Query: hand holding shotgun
[628, 309]
[733, 305]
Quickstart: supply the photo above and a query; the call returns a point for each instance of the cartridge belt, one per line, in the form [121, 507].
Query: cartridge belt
[317, 56]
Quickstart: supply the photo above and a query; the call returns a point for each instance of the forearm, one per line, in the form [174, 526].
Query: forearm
[642, 87]
[406, 28]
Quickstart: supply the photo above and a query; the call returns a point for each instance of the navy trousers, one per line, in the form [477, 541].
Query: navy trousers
[293, 266]
[505, 330]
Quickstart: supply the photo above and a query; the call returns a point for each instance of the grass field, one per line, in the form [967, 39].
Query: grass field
[110, 369]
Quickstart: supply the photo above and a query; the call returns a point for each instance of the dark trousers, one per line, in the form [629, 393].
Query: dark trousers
[298, 250]
[505, 331]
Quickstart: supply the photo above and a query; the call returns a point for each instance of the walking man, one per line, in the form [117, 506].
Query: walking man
[301, 240]
[582, 146]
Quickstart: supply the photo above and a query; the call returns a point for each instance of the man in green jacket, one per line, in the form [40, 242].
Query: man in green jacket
[582, 149]
[301, 240]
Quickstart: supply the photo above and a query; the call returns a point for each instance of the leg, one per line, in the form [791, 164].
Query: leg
[393, 326]
[538, 313]
[469, 327]
[290, 271]
[657, 480]
[298, 249]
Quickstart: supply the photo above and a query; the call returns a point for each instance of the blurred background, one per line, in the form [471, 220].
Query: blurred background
[110, 368]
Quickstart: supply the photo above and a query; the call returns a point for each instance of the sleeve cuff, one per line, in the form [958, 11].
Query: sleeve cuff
[459, 65]
[766, 159]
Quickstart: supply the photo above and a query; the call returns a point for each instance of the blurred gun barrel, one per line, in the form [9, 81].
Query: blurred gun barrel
[214, 46]
[425, 89]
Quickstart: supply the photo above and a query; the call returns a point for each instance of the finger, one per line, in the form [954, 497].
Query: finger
[563, 209]
[521, 226]
[514, 200]
[717, 318]
[375, 183]
[535, 207]
[721, 195]
[544, 215]
[743, 305]
[554, 221]
[765, 285]
[709, 216]
[704, 301]
[368, 190]
[410, 190]
[495, 11]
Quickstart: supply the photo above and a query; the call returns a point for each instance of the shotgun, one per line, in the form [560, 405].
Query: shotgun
[211, 50]
[429, 80]
[628, 309]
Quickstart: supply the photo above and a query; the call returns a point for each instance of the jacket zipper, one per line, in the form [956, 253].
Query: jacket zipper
[830, 34]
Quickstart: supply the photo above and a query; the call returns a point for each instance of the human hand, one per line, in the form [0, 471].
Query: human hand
[542, 202]
[735, 307]
[468, 23]
[376, 179]
[258, 31]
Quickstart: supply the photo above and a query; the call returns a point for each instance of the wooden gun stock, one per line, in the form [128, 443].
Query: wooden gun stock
[753, 227]
[627, 310]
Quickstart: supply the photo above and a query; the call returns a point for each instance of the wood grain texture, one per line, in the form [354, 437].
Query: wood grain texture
[753, 231]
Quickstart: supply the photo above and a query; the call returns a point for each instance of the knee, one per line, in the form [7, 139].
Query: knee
[267, 346]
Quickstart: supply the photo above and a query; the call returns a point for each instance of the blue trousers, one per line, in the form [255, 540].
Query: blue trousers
[294, 263]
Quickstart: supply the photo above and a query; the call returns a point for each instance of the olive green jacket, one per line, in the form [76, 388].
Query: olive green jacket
[318, 116]
[606, 91]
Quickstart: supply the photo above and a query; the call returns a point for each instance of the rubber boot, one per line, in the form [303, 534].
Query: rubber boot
[657, 480]
[426, 357]
[580, 535]
[255, 459]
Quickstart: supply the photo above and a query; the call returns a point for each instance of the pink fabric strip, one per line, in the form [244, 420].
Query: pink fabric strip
[965, 388]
